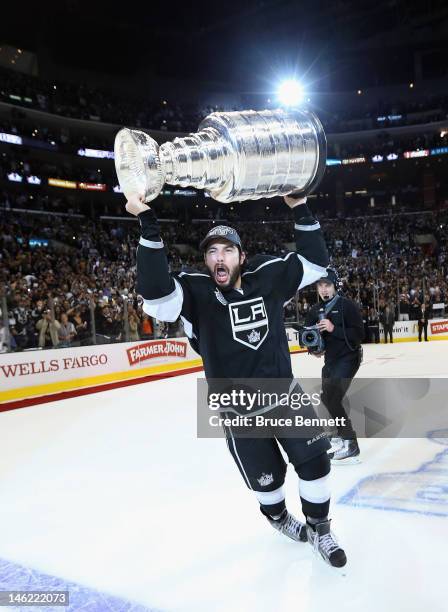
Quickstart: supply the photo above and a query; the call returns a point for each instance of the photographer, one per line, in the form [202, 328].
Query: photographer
[340, 324]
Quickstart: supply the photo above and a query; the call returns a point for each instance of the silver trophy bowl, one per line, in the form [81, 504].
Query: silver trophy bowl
[234, 156]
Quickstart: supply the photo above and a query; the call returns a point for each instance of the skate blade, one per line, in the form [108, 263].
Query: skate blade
[346, 461]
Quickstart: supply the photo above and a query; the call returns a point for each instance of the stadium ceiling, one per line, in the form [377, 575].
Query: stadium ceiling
[213, 40]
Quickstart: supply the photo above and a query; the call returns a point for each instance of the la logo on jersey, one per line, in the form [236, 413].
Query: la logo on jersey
[250, 324]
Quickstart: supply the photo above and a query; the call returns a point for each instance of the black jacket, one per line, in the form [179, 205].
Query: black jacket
[387, 319]
[345, 316]
[415, 312]
[425, 316]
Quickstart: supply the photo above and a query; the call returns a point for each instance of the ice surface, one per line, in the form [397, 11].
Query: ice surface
[113, 496]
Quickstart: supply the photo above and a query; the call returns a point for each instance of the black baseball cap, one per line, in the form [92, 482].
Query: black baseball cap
[221, 231]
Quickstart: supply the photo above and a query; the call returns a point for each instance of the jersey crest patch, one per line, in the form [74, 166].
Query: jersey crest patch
[250, 324]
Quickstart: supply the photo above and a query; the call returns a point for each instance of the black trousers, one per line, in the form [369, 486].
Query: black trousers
[422, 327]
[337, 377]
[388, 332]
[374, 334]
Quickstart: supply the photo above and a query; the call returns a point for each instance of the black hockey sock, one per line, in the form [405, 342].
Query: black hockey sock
[317, 512]
[314, 485]
[274, 511]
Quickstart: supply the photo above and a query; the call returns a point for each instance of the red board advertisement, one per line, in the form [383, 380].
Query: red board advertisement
[156, 348]
[439, 327]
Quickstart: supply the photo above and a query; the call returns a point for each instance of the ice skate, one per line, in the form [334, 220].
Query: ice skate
[346, 453]
[289, 526]
[325, 544]
[336, 443]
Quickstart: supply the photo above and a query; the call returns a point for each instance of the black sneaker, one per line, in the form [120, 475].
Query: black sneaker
[324, 542]
[347, 453]
[288, 525]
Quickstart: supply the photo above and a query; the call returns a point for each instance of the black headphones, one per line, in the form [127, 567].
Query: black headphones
[333, 276]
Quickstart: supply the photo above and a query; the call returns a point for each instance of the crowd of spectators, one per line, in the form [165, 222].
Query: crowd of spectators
[58, 138]
[79, 285]
[83, 102]
[386, 270]
[67, 280]
[79, 101]
[75, 168]
[64, 139]
[385, 143]
[387, 114]
[30, 166]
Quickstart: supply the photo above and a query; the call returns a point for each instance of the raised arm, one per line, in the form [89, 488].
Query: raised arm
[306, 265]
[310, 243]
[162, 294]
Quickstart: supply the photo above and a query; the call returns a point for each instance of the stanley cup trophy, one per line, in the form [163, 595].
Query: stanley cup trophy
[234, 156]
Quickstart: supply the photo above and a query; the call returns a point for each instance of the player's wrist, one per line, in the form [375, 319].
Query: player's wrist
[149, 226]
[147, 214]
[302, 215]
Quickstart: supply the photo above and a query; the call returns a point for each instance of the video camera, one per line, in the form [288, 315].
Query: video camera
[311, 339]
[310, 336]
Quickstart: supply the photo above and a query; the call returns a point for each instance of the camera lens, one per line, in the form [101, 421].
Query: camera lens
[309, 338]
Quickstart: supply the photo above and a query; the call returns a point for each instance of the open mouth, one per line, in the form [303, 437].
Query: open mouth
[221, 274]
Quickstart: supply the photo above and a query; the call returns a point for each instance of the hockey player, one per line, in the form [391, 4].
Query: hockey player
[212, 306]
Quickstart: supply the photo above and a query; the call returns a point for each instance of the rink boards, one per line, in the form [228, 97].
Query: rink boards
[37, 376]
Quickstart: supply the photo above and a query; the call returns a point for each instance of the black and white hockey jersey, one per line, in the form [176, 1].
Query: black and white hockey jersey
[239, 333]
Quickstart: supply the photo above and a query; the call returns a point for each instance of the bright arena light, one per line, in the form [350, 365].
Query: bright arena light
[291, 93]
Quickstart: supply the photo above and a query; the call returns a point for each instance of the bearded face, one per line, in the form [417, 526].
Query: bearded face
[224, 260]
